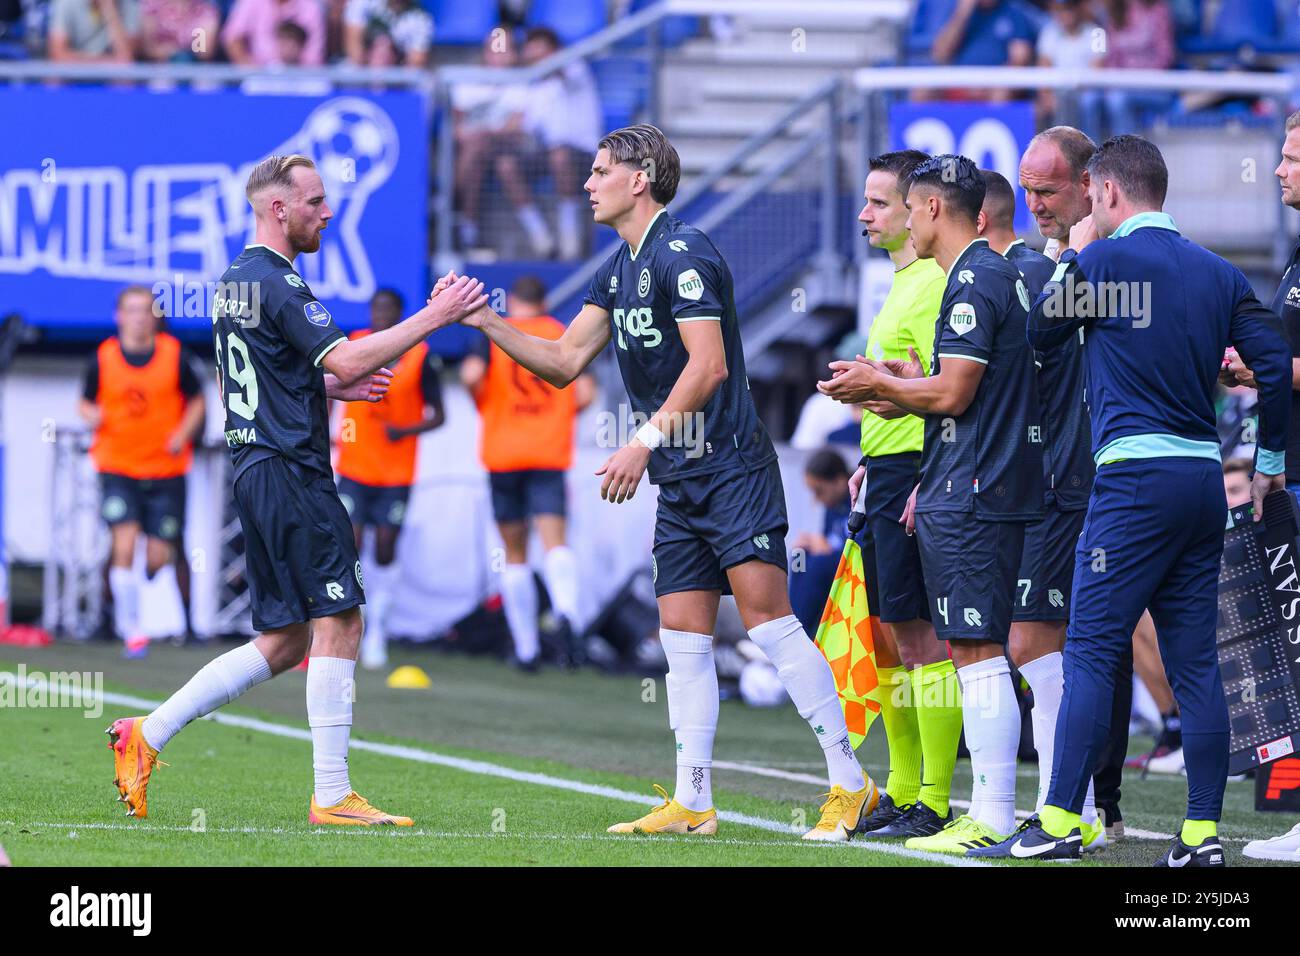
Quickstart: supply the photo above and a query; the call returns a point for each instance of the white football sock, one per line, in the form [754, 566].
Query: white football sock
[1046, 680]
[330, 684]
[381, 579]
[560, 569]
[519, 595]
[811, 685]
[991, 719]
[1089, 814]
[692, 684]
[217, 683]
[125, 587]
[161, 609]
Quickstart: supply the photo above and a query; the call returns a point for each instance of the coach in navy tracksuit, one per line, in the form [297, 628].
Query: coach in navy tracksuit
[1157, 312]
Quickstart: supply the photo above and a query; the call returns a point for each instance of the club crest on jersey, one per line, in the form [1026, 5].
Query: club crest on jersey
[690, 285]
[316, 313]
[962, 318]
[1023, 293]
[643, 284]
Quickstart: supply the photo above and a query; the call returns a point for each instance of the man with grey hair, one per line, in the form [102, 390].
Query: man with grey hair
[1054, 176]
[279, 357]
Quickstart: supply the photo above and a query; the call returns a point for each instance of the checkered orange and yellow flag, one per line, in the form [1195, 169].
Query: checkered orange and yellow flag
[846, 636]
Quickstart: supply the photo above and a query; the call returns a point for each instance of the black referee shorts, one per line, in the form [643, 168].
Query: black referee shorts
[900, 579]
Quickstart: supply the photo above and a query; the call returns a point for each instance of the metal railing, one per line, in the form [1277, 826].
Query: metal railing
[824, 95]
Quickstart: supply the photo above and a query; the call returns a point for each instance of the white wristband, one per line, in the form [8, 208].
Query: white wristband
[650, 436]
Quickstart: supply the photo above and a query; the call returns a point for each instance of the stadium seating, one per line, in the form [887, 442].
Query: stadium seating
[622, 82]
[572, 20]
[1239, 23]
[928, 20]
[457, 23]
[673, 31]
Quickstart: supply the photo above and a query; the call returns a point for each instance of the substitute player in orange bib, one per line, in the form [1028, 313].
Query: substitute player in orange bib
[145, 403]
[526, 445]
[377, 446]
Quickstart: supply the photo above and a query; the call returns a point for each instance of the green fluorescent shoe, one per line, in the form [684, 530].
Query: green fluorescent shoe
[1094, 835]
[964, 833]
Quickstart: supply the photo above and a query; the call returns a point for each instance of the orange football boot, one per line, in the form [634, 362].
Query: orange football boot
[354, 811]
[133, 762]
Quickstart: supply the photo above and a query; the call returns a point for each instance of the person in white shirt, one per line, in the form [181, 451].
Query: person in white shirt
[387, 33]
[490, 133]
[564, 115]
[1072, 40]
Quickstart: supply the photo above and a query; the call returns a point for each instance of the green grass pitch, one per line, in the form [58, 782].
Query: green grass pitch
[496, 768]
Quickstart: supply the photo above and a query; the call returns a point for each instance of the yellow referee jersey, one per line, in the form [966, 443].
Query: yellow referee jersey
[907, 318]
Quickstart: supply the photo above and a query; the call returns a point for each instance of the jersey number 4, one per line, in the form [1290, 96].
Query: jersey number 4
[239, 365]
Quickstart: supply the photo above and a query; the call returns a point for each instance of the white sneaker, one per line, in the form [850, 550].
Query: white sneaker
[1285, 847]
[1172, 763]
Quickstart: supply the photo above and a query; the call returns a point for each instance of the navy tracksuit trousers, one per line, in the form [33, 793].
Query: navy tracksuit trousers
[1153, 539]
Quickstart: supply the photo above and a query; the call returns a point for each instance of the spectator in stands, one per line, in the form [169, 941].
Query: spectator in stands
[144, 402]
[250, 36]
[1072, 40]
[986, 33]
[490, 133]
[290, 42]
[178, 31]
[827, 477]
[1139, 35]
[94, 31]
[387, 33]
[564, 116]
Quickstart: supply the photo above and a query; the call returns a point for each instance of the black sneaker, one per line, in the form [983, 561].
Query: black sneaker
[886, 812]
[917, 821]
[1002, 849]
[1032, 842]
[1208, 853]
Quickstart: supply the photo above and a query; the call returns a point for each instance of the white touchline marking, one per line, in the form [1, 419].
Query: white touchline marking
[761, 771]
[482, 768]
[402, 833]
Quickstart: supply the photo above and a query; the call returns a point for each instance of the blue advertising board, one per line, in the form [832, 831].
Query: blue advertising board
[993, 135]
[105, 187]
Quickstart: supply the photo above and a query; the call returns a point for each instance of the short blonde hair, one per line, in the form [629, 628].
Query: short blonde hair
[1293, 121]
[274, 171]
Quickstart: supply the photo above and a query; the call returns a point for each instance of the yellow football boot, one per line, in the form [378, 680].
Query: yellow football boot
[133, 762]
[843, 812]
[671, 817]
[354, 811]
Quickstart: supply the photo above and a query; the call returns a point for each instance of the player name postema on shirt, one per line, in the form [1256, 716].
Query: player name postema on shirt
[269, 353]
[987, 461]
[676, 276]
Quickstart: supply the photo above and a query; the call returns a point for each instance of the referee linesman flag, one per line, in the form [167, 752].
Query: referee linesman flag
[846, 635]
